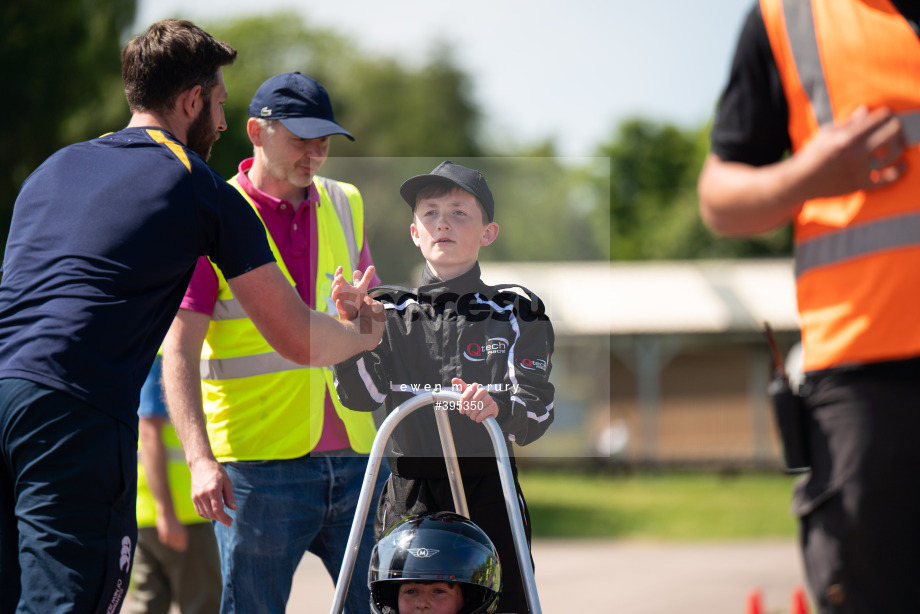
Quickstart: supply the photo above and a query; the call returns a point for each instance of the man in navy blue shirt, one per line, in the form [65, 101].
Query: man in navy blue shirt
[104, 238]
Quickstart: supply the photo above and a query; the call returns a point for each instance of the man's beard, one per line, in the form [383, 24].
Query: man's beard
[201, 134]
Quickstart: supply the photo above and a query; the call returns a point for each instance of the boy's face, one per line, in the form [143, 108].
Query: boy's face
[449, 229]
[430, 598]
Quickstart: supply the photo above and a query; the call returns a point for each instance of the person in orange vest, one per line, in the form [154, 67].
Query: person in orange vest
[834, 83]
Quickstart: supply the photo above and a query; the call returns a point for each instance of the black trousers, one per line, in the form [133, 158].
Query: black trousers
[68, 487]
[403, 497]
[859, 507]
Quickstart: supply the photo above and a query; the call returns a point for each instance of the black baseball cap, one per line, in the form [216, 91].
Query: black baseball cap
[300, 103]
[465, 178]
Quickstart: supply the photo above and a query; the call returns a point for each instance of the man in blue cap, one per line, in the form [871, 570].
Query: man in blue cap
[287, 457]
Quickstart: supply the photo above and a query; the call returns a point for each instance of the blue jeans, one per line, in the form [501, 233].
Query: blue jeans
[286, 508]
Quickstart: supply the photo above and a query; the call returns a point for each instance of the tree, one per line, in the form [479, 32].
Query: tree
[406, 119]
[653, 203]
[61, 63]
[400, 111]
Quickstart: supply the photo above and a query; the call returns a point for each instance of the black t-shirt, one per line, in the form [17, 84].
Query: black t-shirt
[751, 124]
[104, 238]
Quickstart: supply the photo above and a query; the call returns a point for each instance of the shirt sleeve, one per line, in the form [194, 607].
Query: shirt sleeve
[363, 381]
[526, 401]
[751, 124]
[201, 294]
[240, 244]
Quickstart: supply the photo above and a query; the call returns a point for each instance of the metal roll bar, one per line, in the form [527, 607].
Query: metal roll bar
[456, 486]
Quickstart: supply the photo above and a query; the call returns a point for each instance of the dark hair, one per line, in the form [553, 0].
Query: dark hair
[170, 57]
[439, 187]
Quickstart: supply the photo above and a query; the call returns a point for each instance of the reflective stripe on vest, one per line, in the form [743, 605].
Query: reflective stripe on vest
[339, 200]
[857, 255]
[800, 27]
[856, 241]
[246, 366]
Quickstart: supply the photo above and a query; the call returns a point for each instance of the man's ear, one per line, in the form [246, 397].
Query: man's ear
[191, 101]
[489, 234]
[413, 230]
[254, 130]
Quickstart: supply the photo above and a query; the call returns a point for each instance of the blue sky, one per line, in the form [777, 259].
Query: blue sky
[570, 70]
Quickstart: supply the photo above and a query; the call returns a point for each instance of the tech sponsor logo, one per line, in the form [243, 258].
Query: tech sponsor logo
[422, 553]
[477, 352]
[533, 364]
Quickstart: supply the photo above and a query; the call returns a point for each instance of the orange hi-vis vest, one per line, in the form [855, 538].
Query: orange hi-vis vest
[857, 256]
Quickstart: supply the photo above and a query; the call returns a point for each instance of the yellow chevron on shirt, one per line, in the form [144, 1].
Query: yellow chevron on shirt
[174, 147]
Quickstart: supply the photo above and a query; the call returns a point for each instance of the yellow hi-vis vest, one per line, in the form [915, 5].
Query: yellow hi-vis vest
[180, 485]
[259, 405]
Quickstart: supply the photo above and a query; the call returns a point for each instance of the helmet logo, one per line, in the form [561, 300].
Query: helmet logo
[422, 553]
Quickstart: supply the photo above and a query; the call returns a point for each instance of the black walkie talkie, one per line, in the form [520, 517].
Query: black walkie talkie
[788, 411]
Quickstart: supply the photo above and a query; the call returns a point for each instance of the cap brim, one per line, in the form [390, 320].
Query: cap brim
[313, 127]
[411, 186]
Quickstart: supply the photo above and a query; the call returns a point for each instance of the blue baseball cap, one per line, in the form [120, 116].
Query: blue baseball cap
[464, 178]
[300, 103]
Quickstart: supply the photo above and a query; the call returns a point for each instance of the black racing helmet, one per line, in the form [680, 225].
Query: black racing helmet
[439, 547]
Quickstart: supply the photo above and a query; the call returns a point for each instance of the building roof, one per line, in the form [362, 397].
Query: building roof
[696, 296]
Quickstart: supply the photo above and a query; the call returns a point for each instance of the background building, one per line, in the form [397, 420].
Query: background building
[662, 362]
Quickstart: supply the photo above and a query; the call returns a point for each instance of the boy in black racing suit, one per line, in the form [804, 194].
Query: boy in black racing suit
[492, 343]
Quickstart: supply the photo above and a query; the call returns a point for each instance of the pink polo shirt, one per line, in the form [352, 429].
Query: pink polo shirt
[295, 234]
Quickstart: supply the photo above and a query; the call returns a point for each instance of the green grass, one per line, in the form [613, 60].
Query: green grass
[677, 506]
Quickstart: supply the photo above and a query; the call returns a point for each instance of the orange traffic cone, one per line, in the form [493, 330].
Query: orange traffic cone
[753, 602]
[799, 602]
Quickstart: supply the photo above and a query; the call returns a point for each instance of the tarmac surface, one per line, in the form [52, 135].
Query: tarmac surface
[630, 577]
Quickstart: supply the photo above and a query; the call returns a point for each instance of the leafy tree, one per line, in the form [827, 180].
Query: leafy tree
[653, 202]
[406, 120]
[391, 109]
[400, 111]
[61, 63]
